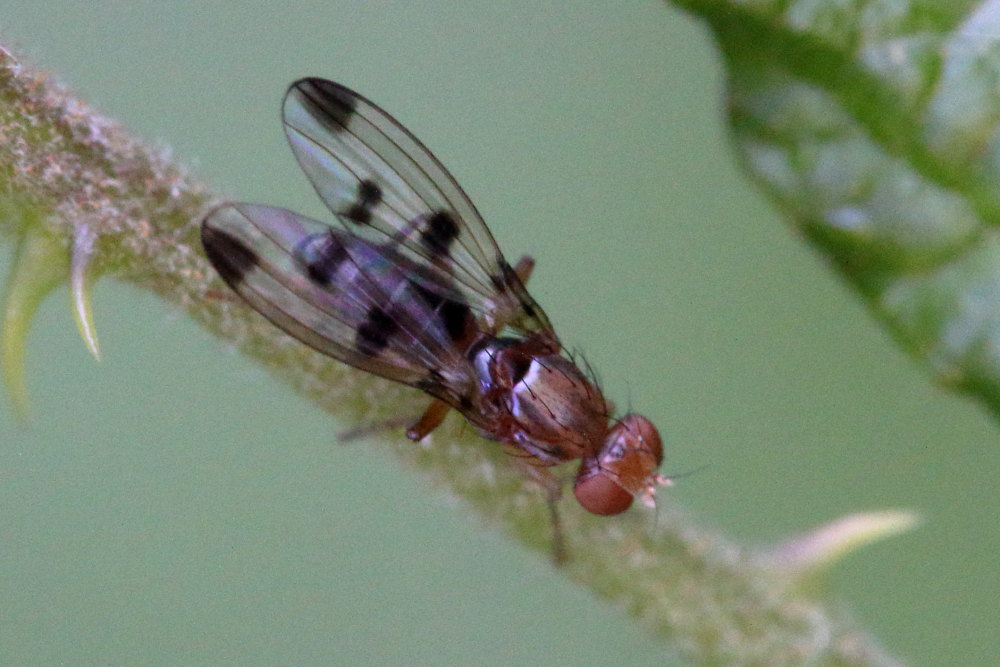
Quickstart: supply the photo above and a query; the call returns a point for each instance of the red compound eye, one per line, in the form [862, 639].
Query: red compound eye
[600, 494]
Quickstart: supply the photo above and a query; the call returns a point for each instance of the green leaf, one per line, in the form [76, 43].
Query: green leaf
[873, 125]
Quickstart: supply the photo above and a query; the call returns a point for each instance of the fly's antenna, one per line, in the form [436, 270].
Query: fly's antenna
[669, 479]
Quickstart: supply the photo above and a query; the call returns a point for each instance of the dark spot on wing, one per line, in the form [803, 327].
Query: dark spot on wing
[358, 213]
[439, 230]
[230, 257]
[330, 104]
[321, 255]
[455, 316]
[369, 192]
[369, 196]
[374, 334]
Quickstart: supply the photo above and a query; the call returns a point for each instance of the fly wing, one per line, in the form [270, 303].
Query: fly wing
[357, 301]
[385, 186]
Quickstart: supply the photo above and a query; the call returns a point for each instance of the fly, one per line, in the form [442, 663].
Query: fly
[412, 287]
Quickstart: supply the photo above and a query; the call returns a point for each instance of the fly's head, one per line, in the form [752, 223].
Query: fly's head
[624, 468]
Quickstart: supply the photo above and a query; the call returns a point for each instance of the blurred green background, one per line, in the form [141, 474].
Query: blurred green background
[175, 505]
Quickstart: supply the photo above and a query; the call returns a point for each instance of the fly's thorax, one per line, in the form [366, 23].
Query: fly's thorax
[625, 466]
[553, 410]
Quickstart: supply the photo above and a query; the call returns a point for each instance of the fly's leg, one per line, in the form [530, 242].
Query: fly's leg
[373, 429]
[219, 295]
[538, 471]
[524, 267]
[559, 555]
[553, 491]
[415, 431]
[430, 420]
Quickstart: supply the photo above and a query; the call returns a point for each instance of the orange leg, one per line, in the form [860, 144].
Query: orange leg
[430, 420]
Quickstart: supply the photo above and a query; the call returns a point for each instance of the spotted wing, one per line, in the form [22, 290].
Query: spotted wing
[385, 186]
[357, 301]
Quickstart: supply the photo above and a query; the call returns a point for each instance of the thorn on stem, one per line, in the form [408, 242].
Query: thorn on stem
[81, 287]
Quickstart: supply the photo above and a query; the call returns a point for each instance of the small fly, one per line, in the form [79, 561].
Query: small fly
[412, 287]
